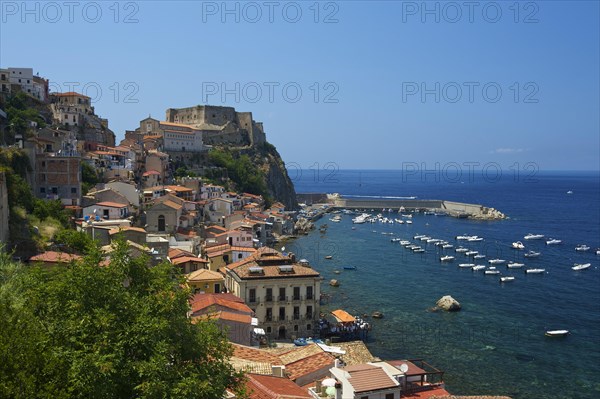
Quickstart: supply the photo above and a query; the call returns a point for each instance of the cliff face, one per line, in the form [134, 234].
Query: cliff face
[279, 183]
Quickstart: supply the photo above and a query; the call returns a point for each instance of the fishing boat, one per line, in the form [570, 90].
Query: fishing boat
[518, 245]
[582, 248]
[505, 279]
[478, 267]
[532, 254]
[467, 265]
[496, 261]
[534, 236]
[535, 271]
[581, 266]
[447, 258]
[557, 333]
[514, 265]
[553, 241]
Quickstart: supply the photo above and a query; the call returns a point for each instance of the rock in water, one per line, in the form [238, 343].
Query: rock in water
[334, 283]
[448, 304]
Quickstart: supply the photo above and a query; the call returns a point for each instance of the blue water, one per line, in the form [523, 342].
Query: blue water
[496, 344]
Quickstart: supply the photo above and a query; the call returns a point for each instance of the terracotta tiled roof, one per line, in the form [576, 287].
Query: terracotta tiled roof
[151, 172]
[69, 94]
[111, 204]
[255, 355]
[185, 259]
[118, 230]
[366, 377]
[270, 387]
[176, 252]
[54, 257]
[171, 204]
[310, 364]
[178, 189]
[203, 301]
[204, 275]
[299, 353]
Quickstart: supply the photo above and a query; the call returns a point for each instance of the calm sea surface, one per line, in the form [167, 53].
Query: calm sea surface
[496, 344]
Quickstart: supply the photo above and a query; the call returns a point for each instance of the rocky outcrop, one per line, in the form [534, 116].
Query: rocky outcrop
[448, 304]
[303, 226]
[279, 184]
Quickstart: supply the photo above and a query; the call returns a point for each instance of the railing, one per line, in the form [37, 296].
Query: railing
[253, 300]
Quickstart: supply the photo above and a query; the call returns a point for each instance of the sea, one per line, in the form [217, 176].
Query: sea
[496, 344]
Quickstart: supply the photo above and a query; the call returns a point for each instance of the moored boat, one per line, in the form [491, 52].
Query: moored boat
[467, 265]
[553, 241]
[505, 279]
[492, 271]
[447, 258]
[535, 271]
[581, 266]
[557, 333]
[582, 248]
[515, 265]
[532, 254]
[534, 236]
[478, 267]
[518, 245]
[496, 261]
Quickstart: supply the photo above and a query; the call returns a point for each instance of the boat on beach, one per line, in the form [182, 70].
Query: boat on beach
[581, 266]
[557, 333]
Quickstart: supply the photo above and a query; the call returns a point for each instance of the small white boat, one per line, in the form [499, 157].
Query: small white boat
[461, 249]
[496, 261]
[479, 256]
[506, 279]
[467, 265]
[557, 333]
[534, 236]
[396, 239]
[471, 253]
[581, 266]
[514, 265]
[535, 271]
[532, 254]
[478, 267]
[419, 251]
[447, 258]
[598, 251]
[409, 222]
[570, 192]
[492, 271]
[447, 246]
[425, 238]
[518, 245]
[553, 241]
[474, 239]
[463, 237]
[404, 242]
[582, 248]
[419, 236]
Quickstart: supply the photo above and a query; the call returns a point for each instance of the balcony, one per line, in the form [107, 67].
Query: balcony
[253, 299]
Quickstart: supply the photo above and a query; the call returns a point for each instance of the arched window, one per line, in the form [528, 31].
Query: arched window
[161, 223]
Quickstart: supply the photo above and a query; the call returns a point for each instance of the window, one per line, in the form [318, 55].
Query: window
[269, 314]
[105, 213]
[54, 190]
[296, 327]
[309, 292]
[43, 190]
[269, 330]
[282, 294]
[217, 288]
[308, 327]
[252, 295]
[296, 312]
[389, 396]
[269, 297]
[296, 293]
[73, 190]
[309, 311]
[281, 313]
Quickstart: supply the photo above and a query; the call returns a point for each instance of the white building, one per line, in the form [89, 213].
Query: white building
[183, 138]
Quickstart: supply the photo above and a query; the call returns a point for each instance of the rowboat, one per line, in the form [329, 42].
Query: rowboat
[557, 333]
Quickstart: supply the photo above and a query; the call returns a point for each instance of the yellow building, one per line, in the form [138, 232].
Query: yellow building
[206, 281]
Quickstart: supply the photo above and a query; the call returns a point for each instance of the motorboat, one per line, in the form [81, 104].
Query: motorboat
[534, 236]
[515, 265]
[557, 333]
[496, 261]
[463, 237]
[447, 246]
[467, 265]
[471, 253]
[447, 258]
[336, 219]
[479, 256]
[461, 250]
[474, 239]
[419, 251]
[582, 248]
[518, 245]
[532, 254]
[404, 242]
[328, 257]
[425, 238]
[581, 266]
[553, 241]
[535, 271]
[409, 222]
[505, 279]
[419, 236]
[492, 271]
[478, 267]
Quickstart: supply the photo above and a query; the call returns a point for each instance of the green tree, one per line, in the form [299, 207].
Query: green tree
[118, 331]
[89, 177]
[74, 241]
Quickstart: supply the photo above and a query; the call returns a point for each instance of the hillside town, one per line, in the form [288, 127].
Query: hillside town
[157, 190]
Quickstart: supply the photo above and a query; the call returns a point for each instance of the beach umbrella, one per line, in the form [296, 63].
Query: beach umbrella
[330, 391]
[328, 382]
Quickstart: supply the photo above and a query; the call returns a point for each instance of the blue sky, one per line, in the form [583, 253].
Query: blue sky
[382, 82]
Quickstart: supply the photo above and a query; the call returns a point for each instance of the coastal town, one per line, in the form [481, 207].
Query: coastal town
[169, 192]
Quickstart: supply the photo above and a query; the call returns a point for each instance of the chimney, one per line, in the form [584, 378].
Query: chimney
[278, 371]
